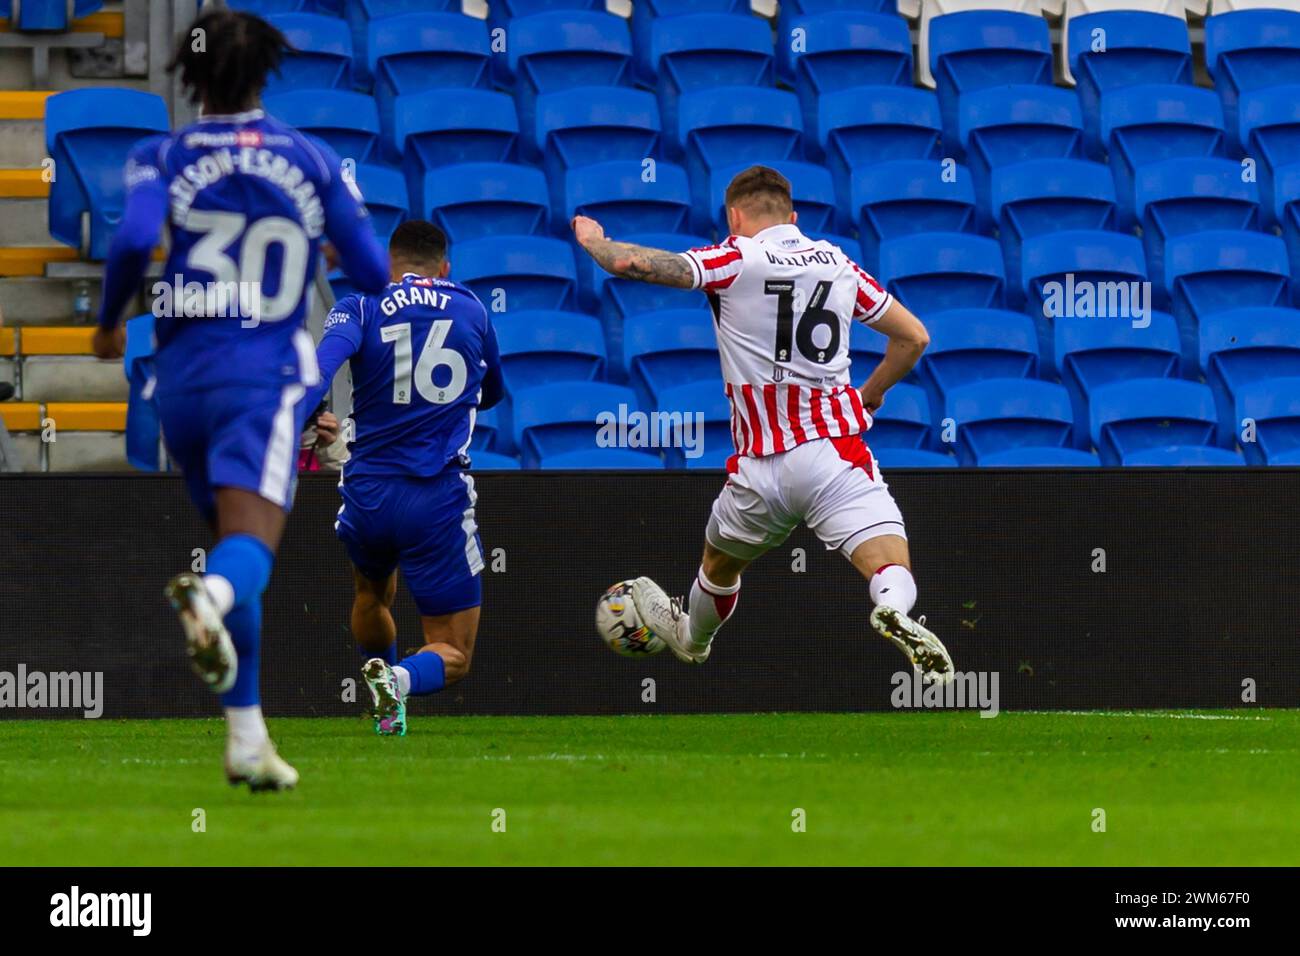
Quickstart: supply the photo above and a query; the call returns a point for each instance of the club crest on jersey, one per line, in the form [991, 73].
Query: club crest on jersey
[778, 373]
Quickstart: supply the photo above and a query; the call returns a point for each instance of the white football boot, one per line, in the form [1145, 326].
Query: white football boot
[389, 707]
[667, 621]
[926, 652]
[263, 769]
[212, 654]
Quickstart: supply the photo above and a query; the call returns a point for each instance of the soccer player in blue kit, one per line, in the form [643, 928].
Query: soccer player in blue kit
[248, 202]
[424, 360]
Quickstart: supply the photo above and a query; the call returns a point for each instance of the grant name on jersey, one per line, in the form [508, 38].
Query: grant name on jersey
[419, 292]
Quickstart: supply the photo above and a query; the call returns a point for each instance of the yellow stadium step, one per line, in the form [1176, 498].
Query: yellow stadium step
[87, 416]
[21, 416]
[56, 340]
[23, 104]
[32, 260]
[107, 22]
[8, 342]
[23, 184]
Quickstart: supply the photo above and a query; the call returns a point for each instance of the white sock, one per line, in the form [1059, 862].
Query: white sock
[894, 586]
[710, 606]
[221, 591]
[246, 728]
[403, 677]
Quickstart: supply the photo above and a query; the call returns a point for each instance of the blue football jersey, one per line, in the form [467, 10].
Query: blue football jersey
[247, 201]
[423, 357]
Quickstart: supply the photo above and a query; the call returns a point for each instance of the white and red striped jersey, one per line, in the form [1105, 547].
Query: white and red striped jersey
[782, 304]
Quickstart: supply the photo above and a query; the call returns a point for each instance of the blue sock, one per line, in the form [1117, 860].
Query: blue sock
[245, 626]
[389, 656]
[243, 561]
[428, 672]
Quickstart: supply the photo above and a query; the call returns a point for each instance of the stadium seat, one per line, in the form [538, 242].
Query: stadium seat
[904, 421]
[1091, 352]
[866, 349]
[1242, 346]
[594, 125]
[489, 435]
[560, 50]
[905, 196]
[433, 129]
[662, 350]
[1139, 48]
[47, 16]
[618, 194]
[553, 419]
[1209, 272]
[144, 448]
[359, 14]
[1040, 458]
[1183, 456]
[514, 273]
[475, 200]
[602, 459]
[998, 414]
[1250, 50]
[1152, 122]
[1148, 413]
[1269, 129]
[732, 125]
[1285, 187]
[924, 13]
[646, 13]
[1068, 10]
[89, 134]
[968, 345]
[384, 190]
[1271, 409]
[1040, 196]
[698, 403]
[418, 52]
[1177, 197]
[492, 461]
[541, 347]
[348, 122]
[933, 271]
[811, 187]
[913, 458]
[616, 299]
[978, 49]
[700, 51]
[322, 57]
[875, 124]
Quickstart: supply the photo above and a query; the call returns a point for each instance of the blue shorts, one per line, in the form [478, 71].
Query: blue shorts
[235, 437]
[425, 525]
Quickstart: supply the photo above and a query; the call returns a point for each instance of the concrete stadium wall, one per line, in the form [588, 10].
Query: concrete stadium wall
[1200, 592]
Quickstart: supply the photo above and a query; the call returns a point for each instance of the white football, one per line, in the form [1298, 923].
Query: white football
[621, 627]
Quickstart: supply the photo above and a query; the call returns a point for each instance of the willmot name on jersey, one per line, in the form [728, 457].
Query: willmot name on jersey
[819, 257]
[211, 168]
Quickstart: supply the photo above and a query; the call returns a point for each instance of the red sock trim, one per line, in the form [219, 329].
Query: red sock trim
[883, 566]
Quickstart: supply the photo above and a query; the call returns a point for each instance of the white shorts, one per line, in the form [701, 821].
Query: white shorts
[833, 485]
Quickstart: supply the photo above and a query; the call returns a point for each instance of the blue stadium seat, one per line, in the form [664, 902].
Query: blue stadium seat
[914, 458]
[616, 299]
[647, 13]
[904, 421]
[866, 349]
[538, 348]
[594, 125]
[1048, 195]
[1040, 458]
[489, 435]
[1285, 188]
[998, 414]
[700, 51]
[48, 16]
[1242, 346]
[843, 49]
[433, 129]
[384, 190]
[1176, 197]
[143, 437]
[1273, 405]
[875, 124]
[968, 345]
[359, 14]
[1140, 47]
[554, 419]
[793, 10]
[602, 459]
[705, 398]
[88, 134]
[1086, 272]
[1183, 456]
[905, 196]
[492, 461]
[1269, 128]
[662, 350]
[1140, 414]
[563, 50]
[1248, 50]
[617, 194]
[426, 51]
[811, 187]
[1004, 125]
[322, 57]
[933, 271]
[348, 122]
[514, 273]
[1091, 352]
[1208, 272]
[1151, 122]
[736, 124]
[986, 48]
[474, 200]
[265, 8]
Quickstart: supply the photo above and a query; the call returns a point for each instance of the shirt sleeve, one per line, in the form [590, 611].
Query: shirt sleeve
[872, 301]
[347, 224]
[493, 388]
[716, 267]
[342, 340]
[139, 232]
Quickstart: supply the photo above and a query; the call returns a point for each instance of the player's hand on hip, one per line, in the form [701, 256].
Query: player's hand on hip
[586, 230]
[109, 343]
[872, 398]
[327, 429]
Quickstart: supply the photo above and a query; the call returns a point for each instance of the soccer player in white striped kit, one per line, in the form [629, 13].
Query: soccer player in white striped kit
[782, 305]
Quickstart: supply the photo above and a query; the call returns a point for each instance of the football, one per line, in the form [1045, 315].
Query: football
[621, 627]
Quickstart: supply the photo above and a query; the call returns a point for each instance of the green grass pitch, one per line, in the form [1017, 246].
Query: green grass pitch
[906, 788]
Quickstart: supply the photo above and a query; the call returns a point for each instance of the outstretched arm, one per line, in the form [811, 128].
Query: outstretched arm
[630, 261]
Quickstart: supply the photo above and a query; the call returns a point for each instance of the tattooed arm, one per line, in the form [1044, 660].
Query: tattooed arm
[629, 261]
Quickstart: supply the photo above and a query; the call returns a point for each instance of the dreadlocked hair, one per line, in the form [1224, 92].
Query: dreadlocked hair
[225, 57]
